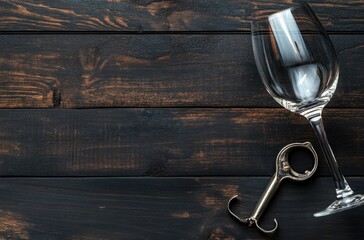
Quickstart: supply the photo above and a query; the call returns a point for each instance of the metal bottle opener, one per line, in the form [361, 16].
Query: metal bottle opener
[283, 171]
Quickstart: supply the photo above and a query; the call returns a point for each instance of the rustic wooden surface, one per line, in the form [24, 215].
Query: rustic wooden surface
[167, 141]
[152, 15]
[153, 115]
[166, 208]
[154, 70]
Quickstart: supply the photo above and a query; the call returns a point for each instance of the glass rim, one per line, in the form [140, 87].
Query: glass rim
[301, 5]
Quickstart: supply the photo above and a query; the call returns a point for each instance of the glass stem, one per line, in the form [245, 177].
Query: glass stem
[342, 187]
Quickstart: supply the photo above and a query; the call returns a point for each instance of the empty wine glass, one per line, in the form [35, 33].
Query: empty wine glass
[299, 68]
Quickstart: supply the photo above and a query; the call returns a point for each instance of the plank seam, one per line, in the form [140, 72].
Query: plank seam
[245, 32]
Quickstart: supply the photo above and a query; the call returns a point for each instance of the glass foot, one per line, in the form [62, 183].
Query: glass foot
[342, 205]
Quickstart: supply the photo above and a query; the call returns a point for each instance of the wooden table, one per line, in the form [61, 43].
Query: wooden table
[140, 119]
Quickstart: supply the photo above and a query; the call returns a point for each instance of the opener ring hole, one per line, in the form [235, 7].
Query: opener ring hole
[301, 160]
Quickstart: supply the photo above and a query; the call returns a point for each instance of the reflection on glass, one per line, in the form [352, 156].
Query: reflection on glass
[305, 81]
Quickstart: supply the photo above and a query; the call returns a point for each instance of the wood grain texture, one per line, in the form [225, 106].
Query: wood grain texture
[187, 15]
[173, 208]
[167, 142]
[46, 61]
[80, 71]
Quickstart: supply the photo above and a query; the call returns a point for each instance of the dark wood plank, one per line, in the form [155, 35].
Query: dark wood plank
[167, 142]
[188, 15]
[77, 71]
[173, 208]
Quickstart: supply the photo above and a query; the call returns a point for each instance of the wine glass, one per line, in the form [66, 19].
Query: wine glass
[299, 68]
